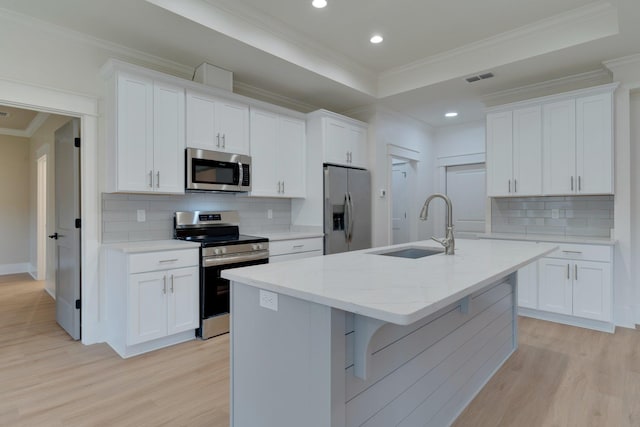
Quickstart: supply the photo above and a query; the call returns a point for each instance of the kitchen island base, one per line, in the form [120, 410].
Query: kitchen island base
[310, 365]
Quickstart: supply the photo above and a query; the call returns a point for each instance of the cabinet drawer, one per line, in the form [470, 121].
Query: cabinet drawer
[582, 252]
[283, 247]
[163, 260]
[289, 257]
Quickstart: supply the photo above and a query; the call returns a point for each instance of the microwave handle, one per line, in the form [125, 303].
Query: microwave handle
[240, 174]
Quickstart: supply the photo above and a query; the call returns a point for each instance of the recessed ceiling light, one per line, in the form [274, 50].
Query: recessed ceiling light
[319, 4]
[451, 114]
[376, 38]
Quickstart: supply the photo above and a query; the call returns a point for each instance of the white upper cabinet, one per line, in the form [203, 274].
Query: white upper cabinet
[578, 144]
[514, 152]
[557, 145]
[344, 143]
[594, 144]
[217, 124]
[277, 155]
[145, 135]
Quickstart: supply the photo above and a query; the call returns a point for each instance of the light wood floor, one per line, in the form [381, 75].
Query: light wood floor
[46, 379]
[560, 376]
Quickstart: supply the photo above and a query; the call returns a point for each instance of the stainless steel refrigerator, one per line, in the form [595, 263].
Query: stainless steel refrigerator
[347, 209]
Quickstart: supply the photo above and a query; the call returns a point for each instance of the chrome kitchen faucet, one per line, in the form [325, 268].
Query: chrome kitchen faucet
[448, 242]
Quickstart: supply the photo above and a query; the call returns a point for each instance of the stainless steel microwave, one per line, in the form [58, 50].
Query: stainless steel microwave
[217, 171]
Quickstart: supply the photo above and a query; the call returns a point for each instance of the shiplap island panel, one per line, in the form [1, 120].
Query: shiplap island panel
[362, 339]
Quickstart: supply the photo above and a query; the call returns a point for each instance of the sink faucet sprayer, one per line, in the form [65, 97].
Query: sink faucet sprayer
[448, 242]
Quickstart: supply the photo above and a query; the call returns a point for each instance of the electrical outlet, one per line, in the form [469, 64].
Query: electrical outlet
[142, 215]
[555, 213]
[269, 300]
[269, 213]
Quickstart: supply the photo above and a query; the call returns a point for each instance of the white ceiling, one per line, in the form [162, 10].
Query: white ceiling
[323, 58]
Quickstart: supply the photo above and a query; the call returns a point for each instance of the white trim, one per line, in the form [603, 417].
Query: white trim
[21, 267]
[50, 293]
[580, 322]
[272, 97]
[610, 87]
[596, 77]
[42, 166]
[402, 152]
[625, 61]
[39, 98]
[463, 159]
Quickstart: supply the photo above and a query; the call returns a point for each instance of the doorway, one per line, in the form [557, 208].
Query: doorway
[400, 208]
[43, 258]
[465, 186]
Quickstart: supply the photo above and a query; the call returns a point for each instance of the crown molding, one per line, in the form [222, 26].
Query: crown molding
[114, 49]
[273, 37]
[589, 78]
[625, 61]
[564, 30]
[272, 97]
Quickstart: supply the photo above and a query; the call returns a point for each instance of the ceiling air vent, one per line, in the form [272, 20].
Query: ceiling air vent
[479, 77]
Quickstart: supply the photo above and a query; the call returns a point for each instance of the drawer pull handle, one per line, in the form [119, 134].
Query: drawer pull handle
[168, 260]
[572, 252]
[298, 246]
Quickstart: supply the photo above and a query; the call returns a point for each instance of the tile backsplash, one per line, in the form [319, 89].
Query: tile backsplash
[119, 214]
[590, 216]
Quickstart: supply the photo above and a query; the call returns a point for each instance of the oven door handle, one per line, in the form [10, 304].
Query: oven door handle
[234, 259]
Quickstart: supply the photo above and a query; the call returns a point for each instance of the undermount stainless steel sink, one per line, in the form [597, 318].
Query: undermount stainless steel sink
[412, 253]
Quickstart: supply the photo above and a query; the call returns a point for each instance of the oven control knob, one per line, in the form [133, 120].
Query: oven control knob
[256, 247]
[217, 251]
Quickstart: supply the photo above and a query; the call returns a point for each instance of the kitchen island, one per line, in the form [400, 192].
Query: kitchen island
[367, 339]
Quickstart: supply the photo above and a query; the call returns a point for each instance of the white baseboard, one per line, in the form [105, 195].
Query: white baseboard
[23, 267]
[51, 294]
[568, 320]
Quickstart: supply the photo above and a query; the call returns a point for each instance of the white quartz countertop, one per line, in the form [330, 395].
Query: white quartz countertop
[290, 235]
[151, 246]
[396, 290]
[550, 238]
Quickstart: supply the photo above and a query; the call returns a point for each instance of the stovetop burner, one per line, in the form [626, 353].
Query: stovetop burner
[212, 228]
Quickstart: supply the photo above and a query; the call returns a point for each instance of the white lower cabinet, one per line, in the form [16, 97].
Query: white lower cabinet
[162, 303]
[287, 250]
[152, 298]
[572, 285]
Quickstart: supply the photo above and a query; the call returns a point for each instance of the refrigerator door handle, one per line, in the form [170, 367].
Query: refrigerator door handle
[350, 216]
[347, 213]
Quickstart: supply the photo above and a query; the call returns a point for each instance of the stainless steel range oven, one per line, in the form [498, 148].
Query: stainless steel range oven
[221, 247]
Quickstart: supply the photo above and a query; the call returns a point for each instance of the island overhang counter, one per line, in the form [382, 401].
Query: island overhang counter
[366, 339]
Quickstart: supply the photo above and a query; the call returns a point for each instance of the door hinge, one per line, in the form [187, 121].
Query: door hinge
[76, 142]
[78, 223]
[77, 304]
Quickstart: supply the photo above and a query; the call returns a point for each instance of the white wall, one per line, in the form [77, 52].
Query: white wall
[389, 128]
[14, 204]
[460, 140]
[43, 142]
